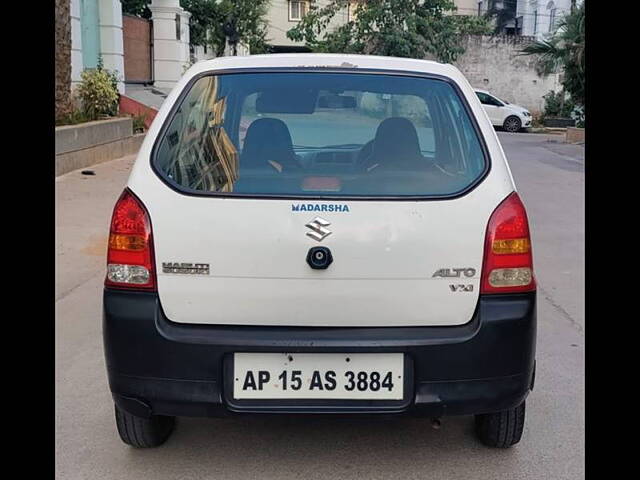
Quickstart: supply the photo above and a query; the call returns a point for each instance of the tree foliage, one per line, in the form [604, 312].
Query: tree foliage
[564, 51]
[556, 105]
[98, 92]
[139, 8]
[243, 21]
[399, 28]
[205, 17]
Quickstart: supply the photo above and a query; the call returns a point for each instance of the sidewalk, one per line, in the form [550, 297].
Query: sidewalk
[150, 96]
[83, 210]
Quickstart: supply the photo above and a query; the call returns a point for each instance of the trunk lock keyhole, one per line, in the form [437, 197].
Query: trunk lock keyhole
[319, 258]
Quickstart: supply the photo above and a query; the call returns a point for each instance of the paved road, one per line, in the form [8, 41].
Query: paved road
[550, 178]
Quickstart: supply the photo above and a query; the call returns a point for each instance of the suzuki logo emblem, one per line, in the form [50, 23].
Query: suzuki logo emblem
[319, 232]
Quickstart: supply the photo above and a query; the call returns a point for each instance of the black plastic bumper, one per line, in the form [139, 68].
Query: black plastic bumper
[161, 367]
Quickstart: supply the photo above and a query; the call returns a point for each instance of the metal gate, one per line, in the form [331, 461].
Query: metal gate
[138, 47]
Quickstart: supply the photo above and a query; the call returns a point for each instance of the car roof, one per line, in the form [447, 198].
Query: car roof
[326, 60]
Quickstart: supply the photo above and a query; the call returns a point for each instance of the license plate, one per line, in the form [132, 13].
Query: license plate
[325, 376]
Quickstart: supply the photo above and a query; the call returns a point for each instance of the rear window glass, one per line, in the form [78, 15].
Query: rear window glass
[320, 134]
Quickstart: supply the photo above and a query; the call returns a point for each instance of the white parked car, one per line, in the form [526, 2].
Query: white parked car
[512, 118]
[320, 234]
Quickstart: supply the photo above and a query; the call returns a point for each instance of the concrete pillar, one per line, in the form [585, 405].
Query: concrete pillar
[170, 42]
[76, 43]
[111, 41]
[186, 35]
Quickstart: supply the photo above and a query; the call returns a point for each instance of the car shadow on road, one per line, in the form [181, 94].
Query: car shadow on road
[331, 447]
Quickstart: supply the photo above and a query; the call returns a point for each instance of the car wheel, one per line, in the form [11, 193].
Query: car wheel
[142, 432]
[512, 124]
[501, 429]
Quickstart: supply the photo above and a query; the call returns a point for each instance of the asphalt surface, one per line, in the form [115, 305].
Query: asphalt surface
[550, 178]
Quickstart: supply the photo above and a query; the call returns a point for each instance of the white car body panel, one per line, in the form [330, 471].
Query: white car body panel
[385, 252]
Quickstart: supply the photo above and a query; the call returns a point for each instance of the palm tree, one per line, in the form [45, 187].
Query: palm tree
[564, 50]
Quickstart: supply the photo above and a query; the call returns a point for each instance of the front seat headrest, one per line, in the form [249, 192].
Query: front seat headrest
[268, 140]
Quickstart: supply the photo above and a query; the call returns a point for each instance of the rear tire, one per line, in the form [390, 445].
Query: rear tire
[142, 432]
[501, 429]
[512, 124]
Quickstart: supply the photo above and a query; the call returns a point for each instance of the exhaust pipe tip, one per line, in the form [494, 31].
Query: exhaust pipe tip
[436, 423]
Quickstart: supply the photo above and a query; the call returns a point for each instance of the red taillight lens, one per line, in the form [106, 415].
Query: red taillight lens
[130, 261]
[508, 262]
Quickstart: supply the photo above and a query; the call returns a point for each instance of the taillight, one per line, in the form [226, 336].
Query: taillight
[130, 262]
[508, 262]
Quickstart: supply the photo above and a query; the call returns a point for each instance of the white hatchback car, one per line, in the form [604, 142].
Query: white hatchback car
[320, 234]
[503, 114]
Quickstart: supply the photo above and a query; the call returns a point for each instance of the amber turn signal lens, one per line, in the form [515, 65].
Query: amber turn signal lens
[511, 246]
[127, 242]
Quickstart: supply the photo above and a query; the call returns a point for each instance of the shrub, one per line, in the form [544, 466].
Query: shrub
[557, 105]
[74, 117]
[537, 120]
[98, 93]
[552, 104]
[578, 116]
[138, 123]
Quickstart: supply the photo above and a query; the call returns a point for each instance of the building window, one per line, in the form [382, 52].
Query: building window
[519, 23]
[552, 20]
[480, 8]
[535, 21]
[297, 10]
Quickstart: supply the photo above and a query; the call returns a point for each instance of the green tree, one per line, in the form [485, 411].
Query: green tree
[242, 21]
[564, 51]
[205, 17]
[399, 28]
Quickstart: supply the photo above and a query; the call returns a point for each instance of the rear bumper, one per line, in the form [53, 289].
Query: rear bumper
[160, 367]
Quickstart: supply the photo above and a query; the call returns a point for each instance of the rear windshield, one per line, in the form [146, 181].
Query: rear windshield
[320, 134]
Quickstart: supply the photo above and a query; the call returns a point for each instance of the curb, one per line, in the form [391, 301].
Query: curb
[75, 160]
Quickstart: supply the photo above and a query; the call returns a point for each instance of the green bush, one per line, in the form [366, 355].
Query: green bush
[138, 123]
[552, 104]
[74, 117]
[578, 116]
[98, 93]
[557, 105]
